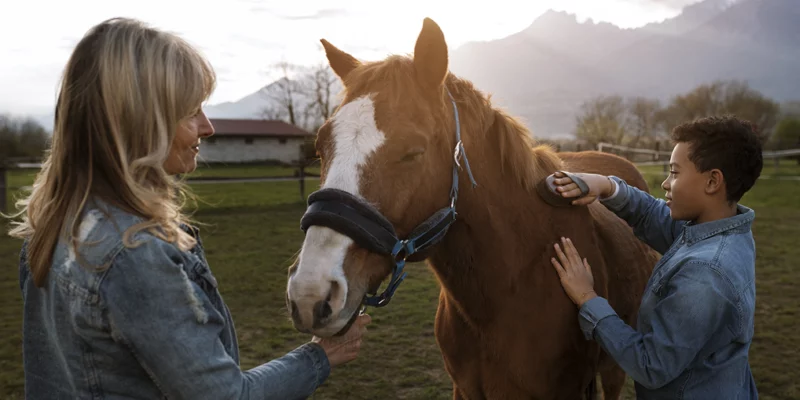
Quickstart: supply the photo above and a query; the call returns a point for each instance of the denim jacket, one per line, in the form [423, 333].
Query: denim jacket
[151, 325]
[695, 323]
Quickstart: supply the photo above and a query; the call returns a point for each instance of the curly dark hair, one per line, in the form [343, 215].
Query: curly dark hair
[727, 143]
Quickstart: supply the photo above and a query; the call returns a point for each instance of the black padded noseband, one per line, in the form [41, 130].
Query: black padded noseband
[352, 217]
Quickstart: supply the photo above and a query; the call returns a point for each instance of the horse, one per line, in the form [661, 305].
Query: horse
[393, 157]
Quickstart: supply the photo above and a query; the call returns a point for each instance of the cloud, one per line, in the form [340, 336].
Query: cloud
[68, 43]
[678, 4]
[256, 42]
[321, 14]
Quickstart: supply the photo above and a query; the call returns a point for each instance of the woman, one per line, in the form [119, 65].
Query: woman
[118, 298]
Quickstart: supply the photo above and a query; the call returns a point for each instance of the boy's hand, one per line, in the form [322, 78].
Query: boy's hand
[576, 275]
[600, 186]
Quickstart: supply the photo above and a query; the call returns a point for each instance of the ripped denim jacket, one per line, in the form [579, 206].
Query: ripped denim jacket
[151, 324]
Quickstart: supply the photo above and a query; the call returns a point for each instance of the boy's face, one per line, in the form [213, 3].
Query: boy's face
[685, 186]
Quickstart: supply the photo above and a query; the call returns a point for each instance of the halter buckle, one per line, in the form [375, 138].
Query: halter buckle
[457, 153]
[401, 247]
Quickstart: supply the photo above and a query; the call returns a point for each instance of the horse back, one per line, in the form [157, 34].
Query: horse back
[596, 162]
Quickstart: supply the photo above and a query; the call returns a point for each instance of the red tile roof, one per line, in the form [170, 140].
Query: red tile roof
[256, 127]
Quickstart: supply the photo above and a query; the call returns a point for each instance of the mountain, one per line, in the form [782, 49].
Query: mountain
[691, 17]
[544, 72]
[255, 105]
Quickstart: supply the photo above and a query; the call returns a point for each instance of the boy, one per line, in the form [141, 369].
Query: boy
[695, 322]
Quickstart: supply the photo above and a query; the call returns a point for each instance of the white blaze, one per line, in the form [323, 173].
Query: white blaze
[355, 137]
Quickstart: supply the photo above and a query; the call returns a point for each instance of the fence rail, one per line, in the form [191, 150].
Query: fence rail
[775, 155]
[301, 176]
[767, 154]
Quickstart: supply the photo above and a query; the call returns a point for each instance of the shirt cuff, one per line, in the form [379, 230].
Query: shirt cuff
[591, 313]
[616, 190]
[619, 197]
[319, 360]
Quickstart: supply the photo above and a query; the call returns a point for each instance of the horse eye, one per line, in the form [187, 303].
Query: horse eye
[413, 155]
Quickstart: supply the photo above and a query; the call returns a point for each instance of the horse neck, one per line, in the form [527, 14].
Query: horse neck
[492, 240]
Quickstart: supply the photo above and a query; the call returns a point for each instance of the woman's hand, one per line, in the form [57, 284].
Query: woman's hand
[343, 349]
[576, 275]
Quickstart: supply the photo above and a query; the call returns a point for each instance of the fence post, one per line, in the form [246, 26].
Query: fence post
[3, 187]
[302, 181]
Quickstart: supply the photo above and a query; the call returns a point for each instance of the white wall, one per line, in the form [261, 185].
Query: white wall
[237, 149]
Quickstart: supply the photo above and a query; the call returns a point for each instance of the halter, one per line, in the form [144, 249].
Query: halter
[357, 219]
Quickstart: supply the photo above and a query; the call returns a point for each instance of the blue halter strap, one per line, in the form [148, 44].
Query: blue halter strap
[435, 230]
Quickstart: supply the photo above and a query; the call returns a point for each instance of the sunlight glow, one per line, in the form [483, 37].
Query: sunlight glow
[242, 38]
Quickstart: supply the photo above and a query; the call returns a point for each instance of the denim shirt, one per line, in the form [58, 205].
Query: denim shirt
[695, 322]
[152, 324]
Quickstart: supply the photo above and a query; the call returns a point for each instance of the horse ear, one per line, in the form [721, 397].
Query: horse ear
[430, 55]
[341, 62]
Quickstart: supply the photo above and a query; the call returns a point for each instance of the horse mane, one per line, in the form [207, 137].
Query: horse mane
[522, 155]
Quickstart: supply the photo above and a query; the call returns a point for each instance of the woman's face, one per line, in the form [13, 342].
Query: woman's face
[182, 157]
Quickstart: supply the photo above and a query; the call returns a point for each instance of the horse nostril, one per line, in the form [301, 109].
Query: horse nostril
[322, 310]
[295, 312]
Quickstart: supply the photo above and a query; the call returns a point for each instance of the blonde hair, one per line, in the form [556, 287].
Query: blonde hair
[124, 91]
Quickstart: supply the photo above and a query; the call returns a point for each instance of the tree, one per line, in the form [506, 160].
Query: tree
[323, 86]
[644, 122]
[787, 135]
[602, 119]
[724, 97]
[302, 96]
[790, 109]
[286, 95]
[21, 138]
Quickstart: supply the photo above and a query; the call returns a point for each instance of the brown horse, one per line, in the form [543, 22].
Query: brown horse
[504, 325]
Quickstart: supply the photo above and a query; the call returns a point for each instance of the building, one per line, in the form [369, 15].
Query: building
[253, 141]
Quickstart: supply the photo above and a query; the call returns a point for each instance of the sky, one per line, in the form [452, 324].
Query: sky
[242, 38]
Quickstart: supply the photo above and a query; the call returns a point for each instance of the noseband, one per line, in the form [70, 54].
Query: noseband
[359, 220]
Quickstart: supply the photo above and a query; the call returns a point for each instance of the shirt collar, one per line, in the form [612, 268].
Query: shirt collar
[741, 222]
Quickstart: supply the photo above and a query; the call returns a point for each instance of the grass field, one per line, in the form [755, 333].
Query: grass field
[252, 232]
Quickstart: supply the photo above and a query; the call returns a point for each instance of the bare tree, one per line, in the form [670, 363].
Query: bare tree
[602, 119]
[323, 86]
[287, 94]
[643, 116]
[273, 112]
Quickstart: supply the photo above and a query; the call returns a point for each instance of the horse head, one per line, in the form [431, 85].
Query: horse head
[388, 183]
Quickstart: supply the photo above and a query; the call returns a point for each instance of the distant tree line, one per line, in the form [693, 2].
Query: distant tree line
[642, 122]
[307, 96]
[21, 139]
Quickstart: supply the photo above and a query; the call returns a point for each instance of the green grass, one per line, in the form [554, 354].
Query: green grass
[252, 233]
